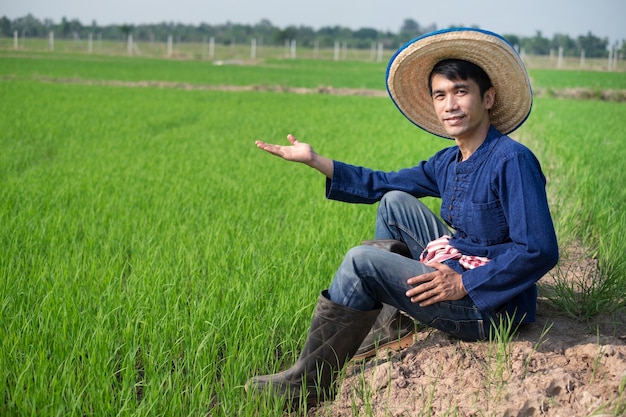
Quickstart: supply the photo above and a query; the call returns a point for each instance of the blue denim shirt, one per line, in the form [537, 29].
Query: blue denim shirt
[495, 201]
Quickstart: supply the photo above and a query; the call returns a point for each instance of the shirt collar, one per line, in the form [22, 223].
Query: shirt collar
[481, 154]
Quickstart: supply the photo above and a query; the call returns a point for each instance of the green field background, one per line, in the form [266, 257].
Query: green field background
[153, 258]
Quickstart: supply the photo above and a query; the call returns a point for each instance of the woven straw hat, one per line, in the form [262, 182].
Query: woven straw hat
[409, 70]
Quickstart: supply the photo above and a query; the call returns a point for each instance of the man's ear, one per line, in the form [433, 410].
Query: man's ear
[489, 98]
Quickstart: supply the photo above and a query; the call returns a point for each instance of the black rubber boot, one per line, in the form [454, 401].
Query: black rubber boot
[390, 245]
[392, 329]
[334, 336]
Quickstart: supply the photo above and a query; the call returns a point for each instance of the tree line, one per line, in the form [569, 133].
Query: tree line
[325, 37]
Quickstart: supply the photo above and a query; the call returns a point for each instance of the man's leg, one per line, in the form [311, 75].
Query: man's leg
[334, 336]
[368, 276]
[403, 219]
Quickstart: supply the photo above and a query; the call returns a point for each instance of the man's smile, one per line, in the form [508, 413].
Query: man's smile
[454, 120]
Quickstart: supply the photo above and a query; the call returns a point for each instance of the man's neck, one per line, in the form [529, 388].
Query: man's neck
[468, 145]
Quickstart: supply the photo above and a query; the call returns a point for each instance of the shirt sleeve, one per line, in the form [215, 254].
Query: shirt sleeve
[353, 184]
[532, 249]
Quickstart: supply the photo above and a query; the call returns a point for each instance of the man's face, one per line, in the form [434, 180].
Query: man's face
[459, 106]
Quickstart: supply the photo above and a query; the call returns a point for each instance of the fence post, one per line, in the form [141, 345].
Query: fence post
[582, 58]
[379, 57]
[211, 47]
[90, 43]
[169, 45]
[293, 49]
[130, 44]
[559, 62]
[15, 40]
[336, 50]
[51, 40]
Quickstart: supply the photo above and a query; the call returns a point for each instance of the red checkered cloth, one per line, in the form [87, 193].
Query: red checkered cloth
[440, 250]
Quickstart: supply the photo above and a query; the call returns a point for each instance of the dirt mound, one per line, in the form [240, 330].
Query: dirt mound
[569, 93]
[557, 366]
[554, 367]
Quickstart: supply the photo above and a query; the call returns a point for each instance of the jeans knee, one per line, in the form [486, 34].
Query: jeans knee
[357, 255]
[393, 205]
[393, 198]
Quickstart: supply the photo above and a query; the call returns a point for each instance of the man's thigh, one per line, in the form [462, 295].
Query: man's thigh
[383, 276]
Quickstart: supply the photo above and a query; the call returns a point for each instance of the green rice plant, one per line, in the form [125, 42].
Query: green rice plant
[154, 259]
[616, 406]
[542, 338]
[361, 399]
[89, 69]
[501, 334]
[594, 80]
[581, 160]
[583, 294]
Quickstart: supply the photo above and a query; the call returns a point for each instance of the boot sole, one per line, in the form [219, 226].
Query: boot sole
[394, 345]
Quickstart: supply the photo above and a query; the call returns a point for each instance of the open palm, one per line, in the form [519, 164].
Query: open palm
[297, 151]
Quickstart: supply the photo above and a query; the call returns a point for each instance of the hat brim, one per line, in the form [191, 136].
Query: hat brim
[409, 70]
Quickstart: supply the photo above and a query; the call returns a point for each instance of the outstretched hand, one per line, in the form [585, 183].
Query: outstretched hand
[296, 152]
[299, 152]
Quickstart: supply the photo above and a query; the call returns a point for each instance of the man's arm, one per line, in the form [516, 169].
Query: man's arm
[299, 152]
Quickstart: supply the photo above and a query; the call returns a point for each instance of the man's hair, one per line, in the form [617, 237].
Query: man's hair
[459, 69]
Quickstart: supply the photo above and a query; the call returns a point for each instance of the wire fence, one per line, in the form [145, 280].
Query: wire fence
[209, 50]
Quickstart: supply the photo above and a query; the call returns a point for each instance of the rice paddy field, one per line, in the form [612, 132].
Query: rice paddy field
[153, 259]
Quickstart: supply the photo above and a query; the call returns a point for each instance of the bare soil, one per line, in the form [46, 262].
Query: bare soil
[557, 366]
[569, 93]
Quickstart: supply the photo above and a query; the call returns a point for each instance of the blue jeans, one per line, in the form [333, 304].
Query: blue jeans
[369, 276]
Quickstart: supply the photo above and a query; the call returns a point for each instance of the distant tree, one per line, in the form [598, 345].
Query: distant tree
[5, 26]
[75, 26]
[306, 36]
[326, 37]
[330, 31]
[563, 41]
[287, 34]
[366, 34]
[364, 37]
[593, 46]
[265, 30]
[64, 27]
[537, 45]
[29, 25]
[48, 24]
[621, 51]
[126, 30]
[409, 30]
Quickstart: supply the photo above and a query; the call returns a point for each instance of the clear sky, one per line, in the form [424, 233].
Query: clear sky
[603, 18]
